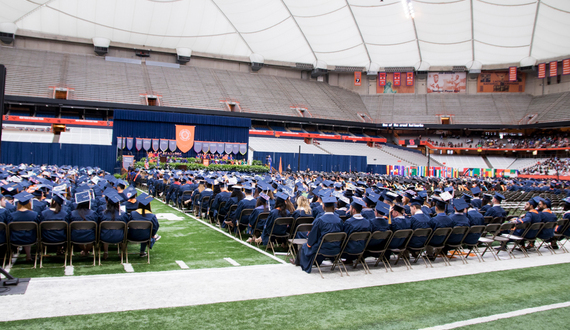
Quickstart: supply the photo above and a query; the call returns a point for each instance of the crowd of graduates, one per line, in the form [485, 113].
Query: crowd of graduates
[51, 193]
[349, 202]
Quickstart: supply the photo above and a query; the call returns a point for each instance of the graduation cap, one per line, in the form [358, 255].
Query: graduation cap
[446, 196]
[248, 188]
[499, 197]
[264, 196]
[358, 203]
[409, 193]
[390, 196]
[566, 200]
[487, 197]
[423, 194]
[448, 189]
[130, 192]
[58, 197]
[329, 200]
[337, 185]
[383, 208]
[281, 195]
[144, 199]
[114, 197]
[344, 199]
[475, 190]
[82, 197]
[23, 197]
[417, 201]
[459, 204]
[440, 203]
[467, 198]
[371, 199]
[399, 208]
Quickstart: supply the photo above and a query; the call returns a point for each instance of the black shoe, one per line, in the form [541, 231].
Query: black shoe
[143, 254]
[554, 246]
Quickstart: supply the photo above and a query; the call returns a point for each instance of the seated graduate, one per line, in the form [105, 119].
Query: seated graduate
[380, 223]
[282, 209]
[327, 223]
[248, 202]
[144, 213]
[559, 229]
[546, 215]
[235, 198]
[23, 213]
[303, 208]
[476, 201]
[356, 223]
[222, 196]
[368, 210]
[262, 206]
[83, 212]
[458, 219]
[496, 210]
[418, 220]
[475, 219]
[55, 212]
[342, 203]
[112, 212]
[130, 202]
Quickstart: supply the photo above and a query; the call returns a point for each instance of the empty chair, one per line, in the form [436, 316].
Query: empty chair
[494, 230]
[53, 233]
[293, 242]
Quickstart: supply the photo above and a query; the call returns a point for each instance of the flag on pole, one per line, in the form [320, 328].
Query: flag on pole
[280, 168]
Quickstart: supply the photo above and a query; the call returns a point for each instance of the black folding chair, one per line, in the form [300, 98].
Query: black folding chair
[405, 234]
[563, 225]
[298, 221]
[230, 211]
[4, 241]
[205, 201]
[186, 195]
[473, 247]
[438, 247]
[547, 226]
[284, 221]
[23, 226]
[113, 225]
[330, 238]
[457, 247]
[361, 236]
[294, 243]
[519, 240]
[379, 250]
[44, 243]
[241, 222]
[82, 225]
[420, 250]
[260, 216]
[139, 225]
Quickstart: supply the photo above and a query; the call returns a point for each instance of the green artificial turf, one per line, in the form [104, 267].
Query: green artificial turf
[399, 306]
[552, 319]
[198, 245]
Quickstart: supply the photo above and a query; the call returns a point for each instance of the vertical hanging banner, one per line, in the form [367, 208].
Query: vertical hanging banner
[139, 144]
[397, 79]
[164, 145]
[198, 146]
[566, 66]
[228, 148]
[553, 69]
[382, 79]
[220, 148]
[128, 161]
[185, 137]
[242, 148]
[172, 145]
[541, 70]
[357, 78]
[205, 147]
[409, 79]
[155, 144]
[146, 144]
[235, 147]
[213, 147]
[513, 73]
[120, 143]
[129, 143]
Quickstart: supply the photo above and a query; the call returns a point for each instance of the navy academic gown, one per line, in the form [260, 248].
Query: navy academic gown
[246, 203]
[352, 225]
[496, 211]
[278, 230]
[224, 196]
[5, 217]
[253, 217]
[297, 214]
[399, 223]
[53, 236]
[441, 220]
[547, 216]
[113, 235]
[142, 234]
[23, 237]
[475, 219]
[83, 235]
[457, 220]
[327, 223]
[419, 220]
[476, 202]
[530, 217]
[368, 213]
[378, 224]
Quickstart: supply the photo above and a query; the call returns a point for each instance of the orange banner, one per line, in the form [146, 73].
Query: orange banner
[386, 85]
[498, 82]
[357, 78]
[185, 137]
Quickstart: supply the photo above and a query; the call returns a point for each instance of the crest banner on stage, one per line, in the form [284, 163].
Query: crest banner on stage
[139, 143]
[146, 144]
[155, 144]
[242, 148]
[205, 146]
[235, 148]
[213, 147]
[229, 148]
[198, 146]
[185, 137]
[129, 143]
[220, 148]
[164, 145]
[172, 145]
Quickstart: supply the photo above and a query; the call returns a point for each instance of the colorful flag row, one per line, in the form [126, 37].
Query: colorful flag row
[448, 172]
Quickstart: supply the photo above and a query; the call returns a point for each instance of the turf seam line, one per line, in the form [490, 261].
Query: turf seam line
[182, 264]
[128, 268]
[496, 317]
[223, 232]
[232, 261]
[69, 270]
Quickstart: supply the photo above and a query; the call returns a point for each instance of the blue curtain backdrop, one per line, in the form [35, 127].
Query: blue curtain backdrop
[378, 169]
[59, 154]
[162, 125]
[314, 162]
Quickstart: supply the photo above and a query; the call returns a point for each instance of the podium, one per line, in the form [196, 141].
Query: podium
[206, 162]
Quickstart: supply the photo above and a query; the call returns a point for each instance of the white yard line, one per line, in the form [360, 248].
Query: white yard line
[231, 261]
[69, 270]
[223, 232]
[182, 264]
[496, 317]
[128, 268]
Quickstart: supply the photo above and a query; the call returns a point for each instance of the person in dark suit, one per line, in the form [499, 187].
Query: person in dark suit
[496, 210]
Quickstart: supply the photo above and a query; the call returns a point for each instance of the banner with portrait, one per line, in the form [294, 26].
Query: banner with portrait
[447, 82]
[498, 82]
[386, 85]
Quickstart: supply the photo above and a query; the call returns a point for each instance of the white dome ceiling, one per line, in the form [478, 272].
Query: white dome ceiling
[336, 32]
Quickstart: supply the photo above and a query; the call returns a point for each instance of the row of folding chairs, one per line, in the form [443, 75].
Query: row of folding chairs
[42, 243]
